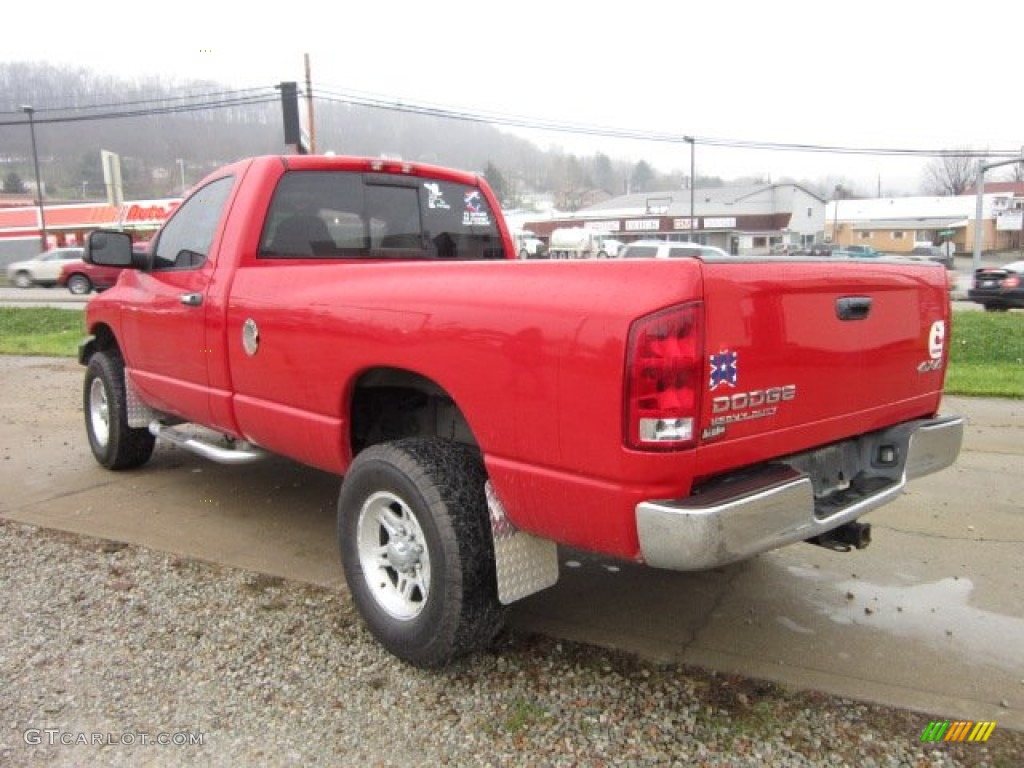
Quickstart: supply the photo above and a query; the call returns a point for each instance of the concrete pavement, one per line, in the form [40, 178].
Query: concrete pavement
[929, 617]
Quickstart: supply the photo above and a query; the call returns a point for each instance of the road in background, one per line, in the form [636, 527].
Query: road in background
[58, 297]
[62, 298]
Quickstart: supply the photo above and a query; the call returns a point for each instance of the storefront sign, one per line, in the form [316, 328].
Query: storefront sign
[136, 213]
[602, 226]
[642, 225]
[723, 222]
[1009, 221]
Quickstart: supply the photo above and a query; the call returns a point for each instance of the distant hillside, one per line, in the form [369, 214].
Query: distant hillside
[76, 102]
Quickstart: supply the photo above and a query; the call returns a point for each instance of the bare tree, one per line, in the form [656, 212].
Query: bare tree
[952, 174]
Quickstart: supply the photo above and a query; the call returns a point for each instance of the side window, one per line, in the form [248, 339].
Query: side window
[186, 238]
[684, 253]
[640, 252]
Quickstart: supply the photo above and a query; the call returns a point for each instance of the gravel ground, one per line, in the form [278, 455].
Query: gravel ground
[119, 645]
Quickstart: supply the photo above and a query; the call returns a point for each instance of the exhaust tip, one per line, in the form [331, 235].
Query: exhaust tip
[852, 535]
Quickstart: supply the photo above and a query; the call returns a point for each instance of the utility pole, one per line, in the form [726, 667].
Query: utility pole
[30, 111]
[693, 183]
[309, 109]
[835, 214]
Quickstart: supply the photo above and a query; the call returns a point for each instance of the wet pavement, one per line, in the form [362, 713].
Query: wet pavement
[929, 617]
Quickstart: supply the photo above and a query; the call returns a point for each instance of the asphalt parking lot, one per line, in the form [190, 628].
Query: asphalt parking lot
[929, 617]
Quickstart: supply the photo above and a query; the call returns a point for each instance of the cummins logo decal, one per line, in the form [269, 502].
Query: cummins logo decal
[936, 345]
[937, 339]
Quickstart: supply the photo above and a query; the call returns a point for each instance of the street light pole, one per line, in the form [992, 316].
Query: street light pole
[979, 192]
[30, 111]
[181, 168]
[693, 181]
[835, 214]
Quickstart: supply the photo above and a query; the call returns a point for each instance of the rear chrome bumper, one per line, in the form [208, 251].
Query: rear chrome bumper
[791, 500]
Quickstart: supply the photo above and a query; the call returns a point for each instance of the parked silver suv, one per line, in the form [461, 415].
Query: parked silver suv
[43, 269]
[665, 249]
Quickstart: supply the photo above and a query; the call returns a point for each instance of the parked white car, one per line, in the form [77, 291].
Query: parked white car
[44, 269]
[666, 249]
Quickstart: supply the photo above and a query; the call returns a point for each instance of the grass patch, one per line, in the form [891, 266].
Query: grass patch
[986, 356]
[523, 714]
[41, 331]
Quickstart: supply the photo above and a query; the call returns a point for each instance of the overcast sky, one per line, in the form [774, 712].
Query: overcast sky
[858, 73]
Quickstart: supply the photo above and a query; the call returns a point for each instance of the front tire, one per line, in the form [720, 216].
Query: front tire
[23, 280]
[114, 444]
[79, 285]
[416, 546]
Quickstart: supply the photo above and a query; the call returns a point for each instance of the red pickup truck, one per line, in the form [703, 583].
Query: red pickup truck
[369, 317]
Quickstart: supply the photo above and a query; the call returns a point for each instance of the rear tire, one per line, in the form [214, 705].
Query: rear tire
[417, 551]
[114, 444]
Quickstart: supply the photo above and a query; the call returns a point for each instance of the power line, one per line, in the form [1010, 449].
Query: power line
[250, 97]
[518, 121]
[233, 93]
[267, 95]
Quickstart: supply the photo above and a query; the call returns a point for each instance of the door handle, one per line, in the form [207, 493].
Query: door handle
[853, 307]
[191, 299]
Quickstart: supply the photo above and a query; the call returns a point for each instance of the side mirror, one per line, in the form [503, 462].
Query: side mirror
[109, 249]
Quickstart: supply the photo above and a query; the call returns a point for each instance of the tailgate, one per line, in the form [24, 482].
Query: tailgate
[805, 353]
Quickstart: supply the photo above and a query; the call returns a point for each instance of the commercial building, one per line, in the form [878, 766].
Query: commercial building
[895, 225]
[741, 219]
[70, 224]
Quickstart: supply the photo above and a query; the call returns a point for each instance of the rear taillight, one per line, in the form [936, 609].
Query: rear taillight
[664, 365]
[1011, 281]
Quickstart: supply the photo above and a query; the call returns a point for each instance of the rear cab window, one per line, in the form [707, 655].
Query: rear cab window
[352, 215]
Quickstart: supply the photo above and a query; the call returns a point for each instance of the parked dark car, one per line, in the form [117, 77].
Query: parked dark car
[865, 251]
[999, 288]
[817, 249]
[933, 253]
[81, 278]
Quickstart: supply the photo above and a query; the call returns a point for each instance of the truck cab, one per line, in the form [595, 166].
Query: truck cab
[528, 245]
